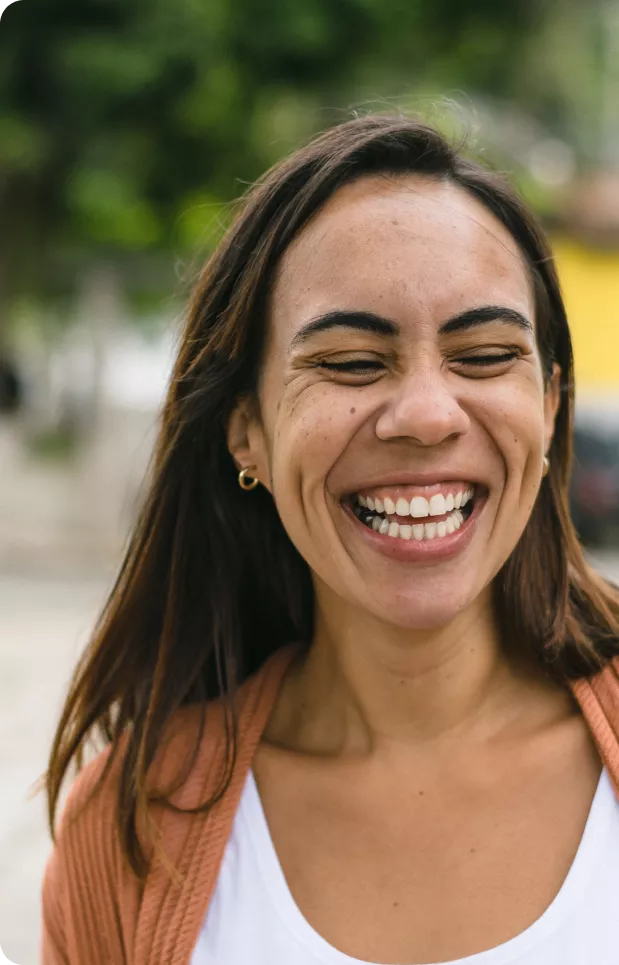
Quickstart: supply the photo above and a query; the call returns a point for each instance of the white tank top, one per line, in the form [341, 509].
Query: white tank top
[253, 918]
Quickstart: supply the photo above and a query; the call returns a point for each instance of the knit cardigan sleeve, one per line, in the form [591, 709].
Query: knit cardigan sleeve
[95, 911]
[92, 901]
[86, 876]
[54, 950]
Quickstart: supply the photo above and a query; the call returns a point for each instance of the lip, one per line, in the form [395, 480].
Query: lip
[418, 551]
[429, 480]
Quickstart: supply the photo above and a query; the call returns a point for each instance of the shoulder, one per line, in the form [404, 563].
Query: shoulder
[193, 744]
[91, 802]
[598, 697]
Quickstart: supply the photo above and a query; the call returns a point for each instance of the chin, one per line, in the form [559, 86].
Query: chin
[429, 610]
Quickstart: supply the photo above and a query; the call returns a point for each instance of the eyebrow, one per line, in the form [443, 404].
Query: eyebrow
[362, 321]
[481, 316]
[377, 325]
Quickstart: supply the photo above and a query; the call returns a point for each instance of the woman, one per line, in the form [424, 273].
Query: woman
[362, 706]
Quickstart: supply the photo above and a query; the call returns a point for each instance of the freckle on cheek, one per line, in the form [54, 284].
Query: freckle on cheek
[353, 410]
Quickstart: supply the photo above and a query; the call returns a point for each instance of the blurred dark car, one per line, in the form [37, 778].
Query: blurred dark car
[11, 389]
[594, 490]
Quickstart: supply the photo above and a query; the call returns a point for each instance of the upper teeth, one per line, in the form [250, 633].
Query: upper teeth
[419, 506]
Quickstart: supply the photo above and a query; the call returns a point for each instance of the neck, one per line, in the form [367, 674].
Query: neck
[365, 684]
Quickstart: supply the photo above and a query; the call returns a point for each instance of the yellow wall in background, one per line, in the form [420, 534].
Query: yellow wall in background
[590, 281]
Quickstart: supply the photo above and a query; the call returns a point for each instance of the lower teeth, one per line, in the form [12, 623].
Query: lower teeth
[417, 531]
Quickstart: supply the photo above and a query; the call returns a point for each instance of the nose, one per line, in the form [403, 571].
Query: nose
[422, 407]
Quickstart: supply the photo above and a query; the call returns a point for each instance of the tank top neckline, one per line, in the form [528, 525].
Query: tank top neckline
[572, 891]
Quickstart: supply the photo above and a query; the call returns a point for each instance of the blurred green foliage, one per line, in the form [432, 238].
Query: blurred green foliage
[126, 126]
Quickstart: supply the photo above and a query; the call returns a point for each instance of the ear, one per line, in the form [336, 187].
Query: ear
[246, 439]
[552, 398]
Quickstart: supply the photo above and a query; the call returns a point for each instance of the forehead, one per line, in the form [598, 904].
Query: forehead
[404, 247]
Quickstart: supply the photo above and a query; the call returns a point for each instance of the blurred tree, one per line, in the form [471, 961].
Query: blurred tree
[127, 125]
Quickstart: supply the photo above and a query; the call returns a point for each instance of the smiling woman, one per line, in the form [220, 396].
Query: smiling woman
[363, 706]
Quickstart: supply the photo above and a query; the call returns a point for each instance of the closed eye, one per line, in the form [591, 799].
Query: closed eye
[494, 359]
[353, 366]
[369, 367]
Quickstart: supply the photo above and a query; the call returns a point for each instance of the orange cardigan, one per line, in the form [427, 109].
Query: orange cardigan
[94, 910]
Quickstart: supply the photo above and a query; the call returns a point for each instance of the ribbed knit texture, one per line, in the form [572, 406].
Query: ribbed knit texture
[94, 910]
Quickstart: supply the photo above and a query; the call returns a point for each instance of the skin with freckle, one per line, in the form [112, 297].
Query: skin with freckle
[416, 252]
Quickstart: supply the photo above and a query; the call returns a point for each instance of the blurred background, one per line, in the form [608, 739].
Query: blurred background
[127, 128]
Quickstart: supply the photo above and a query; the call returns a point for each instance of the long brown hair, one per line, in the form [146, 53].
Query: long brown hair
[211, 585]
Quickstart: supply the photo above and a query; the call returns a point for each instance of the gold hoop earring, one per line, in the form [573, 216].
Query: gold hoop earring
[247, 482]
[545, 466]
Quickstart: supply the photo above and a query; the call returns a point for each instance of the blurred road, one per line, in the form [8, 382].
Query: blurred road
[43, 626]
[607, 562]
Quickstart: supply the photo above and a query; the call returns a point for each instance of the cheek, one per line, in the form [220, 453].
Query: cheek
[306, 441]
[311, 432]
[517, 427]
[515, 417]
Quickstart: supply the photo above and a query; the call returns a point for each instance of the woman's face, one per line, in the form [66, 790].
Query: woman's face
[402, 418]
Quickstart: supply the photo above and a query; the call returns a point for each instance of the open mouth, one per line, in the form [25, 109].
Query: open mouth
[418, 518]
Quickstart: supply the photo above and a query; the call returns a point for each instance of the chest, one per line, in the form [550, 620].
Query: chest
[424, 871]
